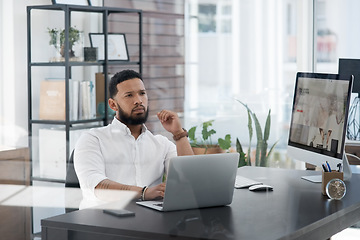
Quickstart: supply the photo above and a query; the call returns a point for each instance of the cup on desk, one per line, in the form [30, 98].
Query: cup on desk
[332, 185]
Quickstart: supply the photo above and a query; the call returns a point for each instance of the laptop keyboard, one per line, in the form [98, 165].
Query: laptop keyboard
[158, 204]
[243, 182]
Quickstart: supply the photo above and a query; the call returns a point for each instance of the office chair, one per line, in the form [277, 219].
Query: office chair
[71, 177]
[71, 180]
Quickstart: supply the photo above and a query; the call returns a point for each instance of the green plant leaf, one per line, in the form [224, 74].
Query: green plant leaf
[239, 148]
[271, 149]
[74, 36]
[250, 128]
[205, 140]
[208, 123]
[249, 112]
[257, 127]
[242, 160]
[245, 105]
[258, 151]
[267, 126]
[248, 158]
[263, 157]
[53, 36]
[228, 138]
[225, 143]
[250, 125]
[242, 156]
[191, 134]
[206, 134]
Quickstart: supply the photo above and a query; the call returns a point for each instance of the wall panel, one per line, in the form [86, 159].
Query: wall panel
[163, 51]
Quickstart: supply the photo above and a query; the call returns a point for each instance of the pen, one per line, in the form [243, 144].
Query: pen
[328, 166]
[323, 166]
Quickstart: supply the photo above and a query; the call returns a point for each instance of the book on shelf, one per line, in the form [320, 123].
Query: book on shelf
[100, 91]
[52, 99]
[84, 99]
[74, 99]
[100, 94]
[81, 100]
[87, 100]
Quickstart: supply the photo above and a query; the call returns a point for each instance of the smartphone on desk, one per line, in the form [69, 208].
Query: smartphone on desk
[119, 213]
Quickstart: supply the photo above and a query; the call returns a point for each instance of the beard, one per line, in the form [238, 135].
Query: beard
[132, 120]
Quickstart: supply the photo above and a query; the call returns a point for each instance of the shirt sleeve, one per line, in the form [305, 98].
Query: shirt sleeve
[170, 153]
[88, 161]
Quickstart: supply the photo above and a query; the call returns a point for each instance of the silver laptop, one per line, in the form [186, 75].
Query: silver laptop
[198, 181]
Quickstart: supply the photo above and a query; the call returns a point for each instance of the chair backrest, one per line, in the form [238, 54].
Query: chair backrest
[71, 177]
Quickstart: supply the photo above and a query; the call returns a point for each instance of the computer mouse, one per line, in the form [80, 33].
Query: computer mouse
[261, 187]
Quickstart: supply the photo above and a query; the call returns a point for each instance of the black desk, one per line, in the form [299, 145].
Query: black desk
[296, 209]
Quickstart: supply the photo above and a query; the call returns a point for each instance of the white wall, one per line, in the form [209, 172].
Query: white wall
[13, 72]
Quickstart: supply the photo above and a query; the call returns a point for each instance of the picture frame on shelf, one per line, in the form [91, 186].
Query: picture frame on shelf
[117, 47]
[73, 2]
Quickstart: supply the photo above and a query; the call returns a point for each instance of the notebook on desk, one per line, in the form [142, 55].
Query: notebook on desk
[198, 181]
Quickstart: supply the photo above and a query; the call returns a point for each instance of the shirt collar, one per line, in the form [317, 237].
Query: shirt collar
[122, 128]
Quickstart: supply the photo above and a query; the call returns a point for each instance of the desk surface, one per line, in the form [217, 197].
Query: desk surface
[295, 209]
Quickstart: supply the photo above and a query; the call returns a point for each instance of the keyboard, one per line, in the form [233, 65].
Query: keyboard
[243, 182]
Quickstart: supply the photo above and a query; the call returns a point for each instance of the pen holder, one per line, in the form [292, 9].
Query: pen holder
[327, 176]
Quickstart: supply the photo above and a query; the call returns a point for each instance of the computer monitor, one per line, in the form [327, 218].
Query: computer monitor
[351, 67]
[319, 119]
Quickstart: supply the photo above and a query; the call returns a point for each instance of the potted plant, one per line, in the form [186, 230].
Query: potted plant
[57, 39]
[204, 144]
[261, 153]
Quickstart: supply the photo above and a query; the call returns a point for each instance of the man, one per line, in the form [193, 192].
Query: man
[124, 155]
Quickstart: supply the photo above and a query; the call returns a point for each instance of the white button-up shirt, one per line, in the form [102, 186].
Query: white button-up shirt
[111, 152]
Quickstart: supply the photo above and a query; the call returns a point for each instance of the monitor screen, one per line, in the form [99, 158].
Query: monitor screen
[319, 116]
[351, 67]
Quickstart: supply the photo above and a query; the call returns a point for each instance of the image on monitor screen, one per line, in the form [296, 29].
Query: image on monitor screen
[319, 116]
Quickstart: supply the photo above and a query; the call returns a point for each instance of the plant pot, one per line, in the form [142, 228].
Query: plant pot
[210, 150]
[71, 52]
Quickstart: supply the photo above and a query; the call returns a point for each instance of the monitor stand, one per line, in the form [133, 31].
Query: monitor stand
[346, 170]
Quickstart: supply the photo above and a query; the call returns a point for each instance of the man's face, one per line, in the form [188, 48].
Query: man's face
[131, 102]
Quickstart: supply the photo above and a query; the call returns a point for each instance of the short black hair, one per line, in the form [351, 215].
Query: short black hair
[121, 77]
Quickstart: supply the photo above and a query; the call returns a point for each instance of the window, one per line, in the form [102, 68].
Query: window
[206, 16]
[253, 54]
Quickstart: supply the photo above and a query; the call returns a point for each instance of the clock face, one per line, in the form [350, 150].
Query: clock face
[336, 189]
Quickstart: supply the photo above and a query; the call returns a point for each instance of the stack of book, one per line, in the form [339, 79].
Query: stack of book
[81, 97]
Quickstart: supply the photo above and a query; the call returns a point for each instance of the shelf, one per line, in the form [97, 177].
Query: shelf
[77, 8]
[61, 141]
[34, 77]
[113, 62]
[51, 146]
[71, 64]
[60, 122]
[63, 64]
